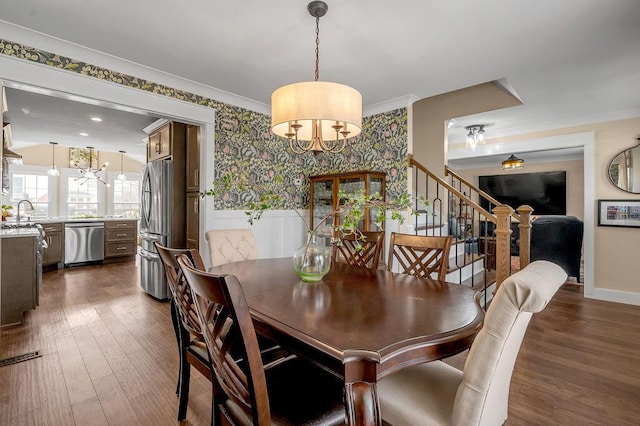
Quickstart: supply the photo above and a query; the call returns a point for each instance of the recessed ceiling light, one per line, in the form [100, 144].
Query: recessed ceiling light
[83, 134]
[96, 118]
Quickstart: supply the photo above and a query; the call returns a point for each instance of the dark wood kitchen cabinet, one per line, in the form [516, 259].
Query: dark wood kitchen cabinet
[120, 240]
[193, 158]
[192, 217]
[54, 237]
[19, 283]
[193, 220]
[165, 139]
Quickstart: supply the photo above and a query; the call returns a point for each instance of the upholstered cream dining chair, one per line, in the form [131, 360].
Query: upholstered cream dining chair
[231, 245]
[438, 394]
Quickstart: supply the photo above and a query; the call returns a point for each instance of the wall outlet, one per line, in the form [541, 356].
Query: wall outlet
[297, 181]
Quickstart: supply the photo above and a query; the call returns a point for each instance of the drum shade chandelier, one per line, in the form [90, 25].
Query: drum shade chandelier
[90, 172]
[513, 162]
[475, 135]
[317, 116]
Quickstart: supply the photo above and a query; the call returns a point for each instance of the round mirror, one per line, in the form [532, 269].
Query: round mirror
[624, 170]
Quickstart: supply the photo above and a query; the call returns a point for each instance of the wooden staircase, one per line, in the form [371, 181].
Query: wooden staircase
[454, 209]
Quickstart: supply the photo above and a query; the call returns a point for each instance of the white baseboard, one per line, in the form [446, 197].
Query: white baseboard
[612, 296]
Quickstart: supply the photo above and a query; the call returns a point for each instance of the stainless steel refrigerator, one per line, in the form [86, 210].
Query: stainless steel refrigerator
[162, 220]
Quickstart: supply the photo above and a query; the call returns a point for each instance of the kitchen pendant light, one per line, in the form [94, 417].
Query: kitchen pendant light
[53, 171]
[90, 172]
[122, 176]
[513, 162]
[316, 116]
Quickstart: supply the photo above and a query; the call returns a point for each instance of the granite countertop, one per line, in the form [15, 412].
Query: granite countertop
[79, 219]
[19, 232]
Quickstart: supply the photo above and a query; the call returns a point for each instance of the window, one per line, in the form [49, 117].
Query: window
[82, 198]
[32, 183]
[125, 195]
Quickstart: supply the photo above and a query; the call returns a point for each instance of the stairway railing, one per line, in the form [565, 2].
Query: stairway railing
[454, 209]
[521, 216]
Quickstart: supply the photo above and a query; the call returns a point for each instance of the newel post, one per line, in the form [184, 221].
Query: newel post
[503, 246]
[525, 234]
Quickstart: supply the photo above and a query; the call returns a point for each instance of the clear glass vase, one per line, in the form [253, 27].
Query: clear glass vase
[312, 261]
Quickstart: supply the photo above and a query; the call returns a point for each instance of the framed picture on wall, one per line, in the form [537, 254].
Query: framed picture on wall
[625, 213]
[83, 158]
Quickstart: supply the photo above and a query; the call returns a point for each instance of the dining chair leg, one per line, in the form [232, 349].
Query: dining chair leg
[175, 320]
[185, 374]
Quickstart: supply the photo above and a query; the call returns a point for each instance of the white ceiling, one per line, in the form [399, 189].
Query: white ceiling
[37, 118]
[571, 62]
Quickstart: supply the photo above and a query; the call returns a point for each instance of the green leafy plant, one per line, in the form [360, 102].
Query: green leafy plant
[353, 206]
[5, 211]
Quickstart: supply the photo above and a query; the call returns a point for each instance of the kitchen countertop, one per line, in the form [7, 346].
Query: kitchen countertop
[79, 219]
[19, 232]
[33, 232]
[84, 219]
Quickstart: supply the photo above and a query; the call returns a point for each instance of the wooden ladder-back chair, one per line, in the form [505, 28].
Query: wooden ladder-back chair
[420, 255]
[186, 325]
[294, 392]
[436, 393]
[362, 249]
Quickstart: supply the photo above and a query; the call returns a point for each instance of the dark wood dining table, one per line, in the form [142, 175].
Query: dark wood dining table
[357, 323]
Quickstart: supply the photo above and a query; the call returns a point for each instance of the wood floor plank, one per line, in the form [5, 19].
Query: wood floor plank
[150, 411]
[56, 406]
[92, 355]
[30, 418]
[76, 376]
[115, 404]
[130, 379]
[24, 394]
[89, 412]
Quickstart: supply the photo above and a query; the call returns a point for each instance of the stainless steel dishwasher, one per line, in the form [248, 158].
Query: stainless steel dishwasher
[83, 242]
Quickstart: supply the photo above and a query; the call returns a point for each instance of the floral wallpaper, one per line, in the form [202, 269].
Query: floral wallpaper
[245, 144]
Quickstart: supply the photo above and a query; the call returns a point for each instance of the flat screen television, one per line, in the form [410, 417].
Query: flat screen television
[546, 192]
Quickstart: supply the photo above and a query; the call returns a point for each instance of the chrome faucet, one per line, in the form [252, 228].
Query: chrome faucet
[19, 203]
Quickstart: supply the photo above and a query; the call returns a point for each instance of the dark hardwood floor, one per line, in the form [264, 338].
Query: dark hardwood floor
[109, 357]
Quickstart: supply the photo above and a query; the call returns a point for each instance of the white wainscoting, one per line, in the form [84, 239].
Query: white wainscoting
[278, 233]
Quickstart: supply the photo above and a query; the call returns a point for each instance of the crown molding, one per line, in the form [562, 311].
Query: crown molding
[390, 105]
[18, 34]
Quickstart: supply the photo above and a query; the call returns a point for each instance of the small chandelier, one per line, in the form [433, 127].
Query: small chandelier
[90, 172]
[122, 176]
[513, 162]
[316, 116]
[53, 171]
[475, 135]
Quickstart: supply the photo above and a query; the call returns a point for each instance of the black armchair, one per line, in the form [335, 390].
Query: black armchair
[558, 239]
